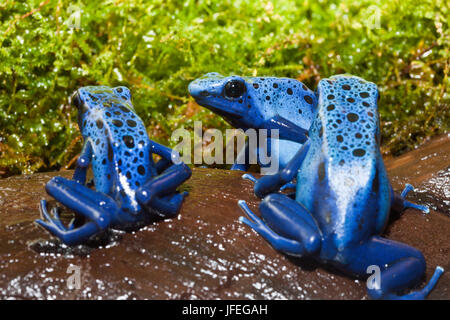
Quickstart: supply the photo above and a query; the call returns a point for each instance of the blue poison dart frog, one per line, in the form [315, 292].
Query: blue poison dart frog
[260, 103]
[343, 196]
[129, 186]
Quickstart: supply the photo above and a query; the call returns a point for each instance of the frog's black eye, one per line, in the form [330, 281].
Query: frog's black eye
[234, 89]
[76, 101]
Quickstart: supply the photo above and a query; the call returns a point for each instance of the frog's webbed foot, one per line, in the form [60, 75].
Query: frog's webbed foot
[399, 202]
[253, 221]
[408, 204]
[296, 232]
[95, 206]
[52, 223]
[400, 267]
[421, 294]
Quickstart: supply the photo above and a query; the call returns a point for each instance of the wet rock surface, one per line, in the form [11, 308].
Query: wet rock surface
[206, 253]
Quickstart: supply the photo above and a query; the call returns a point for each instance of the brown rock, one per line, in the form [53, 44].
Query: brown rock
[206, 253]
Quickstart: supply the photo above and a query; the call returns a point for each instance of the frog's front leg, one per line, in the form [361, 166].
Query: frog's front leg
[242, 162]
[273, 183]
[290, 227]
[157, 192]
[287, 130]
[97, 207]
[401, 267]
[83, 162]
[399, 202]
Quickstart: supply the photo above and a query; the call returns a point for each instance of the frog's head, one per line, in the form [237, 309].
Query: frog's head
[91, 100]
[226, 96]
[247, 102]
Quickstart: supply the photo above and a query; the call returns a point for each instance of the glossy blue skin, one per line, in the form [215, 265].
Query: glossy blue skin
[343, 196]
[267, 103]
[130, 188]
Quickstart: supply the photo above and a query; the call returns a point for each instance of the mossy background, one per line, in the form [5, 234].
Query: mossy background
[49, 48]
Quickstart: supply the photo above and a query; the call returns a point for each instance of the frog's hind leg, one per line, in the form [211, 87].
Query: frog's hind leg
[163, 184]
[160, 192]
[401, 267]
[399, 202]
[95, 206]
[168, 206]
[290, 228]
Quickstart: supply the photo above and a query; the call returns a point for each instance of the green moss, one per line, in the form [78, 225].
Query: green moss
[157, 47]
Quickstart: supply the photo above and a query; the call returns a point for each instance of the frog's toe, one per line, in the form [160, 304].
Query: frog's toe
[44, 211]
[243, 205]
[407, 204]
[248, 176]
[420, 207]
[248, 222]
[71, 225]
[52, 218]
[408, 188]
[51, 227]
[57, 220]
[289, 185]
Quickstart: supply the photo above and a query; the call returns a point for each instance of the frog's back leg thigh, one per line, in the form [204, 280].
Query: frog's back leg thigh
[401, 267]
[59, 187]
[163, 184]
[95, 206]
[287, 225]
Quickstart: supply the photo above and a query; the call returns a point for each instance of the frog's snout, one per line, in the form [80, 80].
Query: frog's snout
[196, 90]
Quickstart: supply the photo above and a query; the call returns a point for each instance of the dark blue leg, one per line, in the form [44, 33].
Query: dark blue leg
[273, 183]
[163, 184]
[95, 206]
[162, 165]
[166, 153]
[243, 158]
[290, 185]
[290, 228]
[401, 268]
[168, 206]
[83, 162]
[399, 202]
[287, 130]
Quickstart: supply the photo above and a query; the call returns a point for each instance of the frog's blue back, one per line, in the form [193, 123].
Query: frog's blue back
[118, 135]
[284, 97]
[343, 181]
